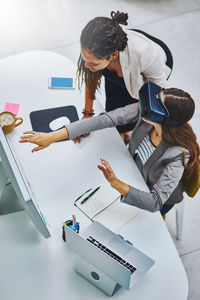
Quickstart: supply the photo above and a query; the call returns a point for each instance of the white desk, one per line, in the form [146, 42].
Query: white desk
[35, 268]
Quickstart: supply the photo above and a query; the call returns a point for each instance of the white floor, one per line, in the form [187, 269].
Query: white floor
[56, 24]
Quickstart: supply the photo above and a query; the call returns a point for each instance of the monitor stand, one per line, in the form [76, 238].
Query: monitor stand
[96, 277]
[9, 202]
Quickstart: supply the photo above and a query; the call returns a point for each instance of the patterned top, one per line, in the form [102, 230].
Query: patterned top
[145, 149]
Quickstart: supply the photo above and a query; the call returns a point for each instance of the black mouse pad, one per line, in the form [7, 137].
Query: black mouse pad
[40, 119]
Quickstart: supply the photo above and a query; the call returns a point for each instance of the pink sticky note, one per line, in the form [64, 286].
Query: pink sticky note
[11, 107]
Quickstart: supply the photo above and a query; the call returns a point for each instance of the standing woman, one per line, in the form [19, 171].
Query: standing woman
[126, 58]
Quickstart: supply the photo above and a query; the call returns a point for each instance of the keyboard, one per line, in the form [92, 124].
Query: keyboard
[109, 252]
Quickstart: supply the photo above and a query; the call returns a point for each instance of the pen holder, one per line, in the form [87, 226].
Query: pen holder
[69, 223]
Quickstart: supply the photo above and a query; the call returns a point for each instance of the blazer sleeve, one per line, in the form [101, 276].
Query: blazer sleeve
[119, 116]
[153, 67]
[161, 190]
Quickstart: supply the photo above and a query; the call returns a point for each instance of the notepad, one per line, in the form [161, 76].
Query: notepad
[105, 207]
[11, 107]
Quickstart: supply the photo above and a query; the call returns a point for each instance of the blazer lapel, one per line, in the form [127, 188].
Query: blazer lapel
[131, 67]
[160, 149]
[124, 62]
[141, 131]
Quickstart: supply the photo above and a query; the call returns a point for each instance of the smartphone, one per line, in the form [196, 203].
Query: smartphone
[61, 83]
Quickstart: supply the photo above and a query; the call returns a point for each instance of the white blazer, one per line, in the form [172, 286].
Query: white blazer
[142, 60]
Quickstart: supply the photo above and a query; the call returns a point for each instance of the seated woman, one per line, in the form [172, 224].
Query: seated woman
[163, 145]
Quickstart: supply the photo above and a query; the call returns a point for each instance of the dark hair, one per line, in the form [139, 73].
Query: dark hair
[101, 37]
[181, 108]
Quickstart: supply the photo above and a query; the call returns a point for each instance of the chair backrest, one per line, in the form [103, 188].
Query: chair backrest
[192, 184]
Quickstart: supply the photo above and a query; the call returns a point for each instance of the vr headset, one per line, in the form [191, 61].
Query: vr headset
[152, 107]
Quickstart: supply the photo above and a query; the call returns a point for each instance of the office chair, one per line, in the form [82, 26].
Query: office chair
[192, 184]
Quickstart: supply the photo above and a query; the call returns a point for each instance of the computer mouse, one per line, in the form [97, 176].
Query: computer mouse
[59, 123]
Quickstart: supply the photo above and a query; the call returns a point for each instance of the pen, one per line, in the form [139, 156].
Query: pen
[84, 200]
[81, 196]
[74, 220]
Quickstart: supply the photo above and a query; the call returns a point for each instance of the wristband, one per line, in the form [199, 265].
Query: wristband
[88, 112]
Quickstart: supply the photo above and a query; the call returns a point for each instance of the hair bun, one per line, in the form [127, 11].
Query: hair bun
[119, 17]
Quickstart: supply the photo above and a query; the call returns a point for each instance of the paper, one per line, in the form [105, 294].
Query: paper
[105, 207]
[11, 107]
[104, 197]
[117, 215]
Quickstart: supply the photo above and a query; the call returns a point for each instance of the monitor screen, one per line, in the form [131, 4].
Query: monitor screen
[21, 185]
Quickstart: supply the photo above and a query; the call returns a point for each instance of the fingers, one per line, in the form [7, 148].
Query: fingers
[26, 139]
[107, 170]
[22, 141]
[32, 137]
[85, 135]
[29, 132]
[78, 138]
[101, 168]
[41, 139]
[38, 148]
[26, 136]
[106, 164]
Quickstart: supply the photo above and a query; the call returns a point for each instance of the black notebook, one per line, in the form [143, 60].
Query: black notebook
[51, 119]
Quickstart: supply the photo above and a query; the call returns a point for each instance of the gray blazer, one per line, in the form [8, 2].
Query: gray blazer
[162, 171]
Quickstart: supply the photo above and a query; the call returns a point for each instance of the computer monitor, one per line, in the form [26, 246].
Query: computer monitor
[21, 185]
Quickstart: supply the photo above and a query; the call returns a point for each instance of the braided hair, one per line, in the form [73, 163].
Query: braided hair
[101, 36]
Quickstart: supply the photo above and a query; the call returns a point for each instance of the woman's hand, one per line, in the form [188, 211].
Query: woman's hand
[107, 172]
[43, 139]
[120, 186]
[78, 138]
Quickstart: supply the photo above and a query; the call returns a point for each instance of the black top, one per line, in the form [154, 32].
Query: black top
[117, 96]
